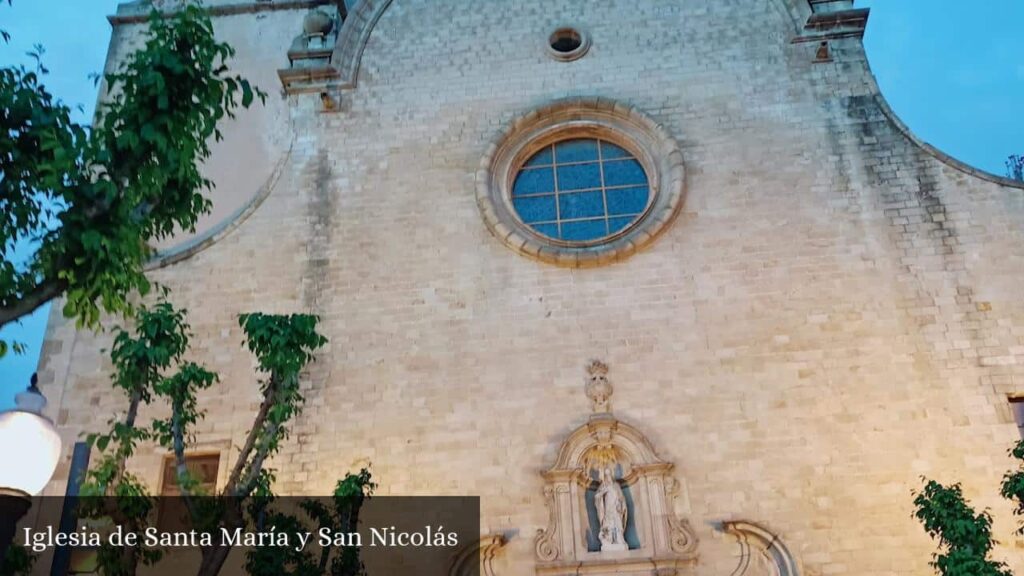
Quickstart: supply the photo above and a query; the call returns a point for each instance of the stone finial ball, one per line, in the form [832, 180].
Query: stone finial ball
[317, 22]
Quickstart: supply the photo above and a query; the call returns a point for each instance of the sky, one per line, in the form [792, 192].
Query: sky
[951, 69]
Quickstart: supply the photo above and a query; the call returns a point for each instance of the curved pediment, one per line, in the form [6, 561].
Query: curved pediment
[363, 17]
[603, 440]
[610, 500]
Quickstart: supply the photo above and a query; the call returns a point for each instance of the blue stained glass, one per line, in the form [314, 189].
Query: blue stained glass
[627, 201]
[536, 209]
[549, 230]
[579, 177]
[584, 230]
[581, 205]
[540, 158]
[572, 214]
[576, 151]
[624, 172]
[609, 151]
[534, 181]
[617, 224]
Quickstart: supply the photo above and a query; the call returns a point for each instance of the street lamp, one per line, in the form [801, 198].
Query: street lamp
[29, 451]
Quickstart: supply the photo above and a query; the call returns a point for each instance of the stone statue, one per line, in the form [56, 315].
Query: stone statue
[611, 513]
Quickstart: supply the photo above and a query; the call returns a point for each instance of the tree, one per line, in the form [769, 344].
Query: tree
[1013, 484]
[1015, 167]
[17, 562]
[965, 536]
[145, 363]
[150, 366]
[341, 517]
[95, 198]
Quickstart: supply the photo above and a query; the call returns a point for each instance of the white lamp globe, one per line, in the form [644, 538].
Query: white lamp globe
[29, 445]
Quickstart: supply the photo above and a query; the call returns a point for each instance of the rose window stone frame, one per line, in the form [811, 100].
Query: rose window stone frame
[598, 118]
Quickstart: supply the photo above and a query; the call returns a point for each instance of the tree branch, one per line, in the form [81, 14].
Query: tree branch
[248, 484]
[181, 471]
[31, 302]
[133, 408]
[266, 441]
[52, 288]
[269, 396]
[129, 421]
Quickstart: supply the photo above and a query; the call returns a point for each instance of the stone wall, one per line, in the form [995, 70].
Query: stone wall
[835, 313]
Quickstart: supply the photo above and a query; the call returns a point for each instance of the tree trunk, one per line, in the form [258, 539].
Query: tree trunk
[213, 560]
[214, 557]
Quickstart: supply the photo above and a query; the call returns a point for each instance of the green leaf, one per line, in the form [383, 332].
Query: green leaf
[129, 181]
[247, 94]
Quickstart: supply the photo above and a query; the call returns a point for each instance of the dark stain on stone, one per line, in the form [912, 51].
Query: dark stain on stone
[907, 180]
[320, 215]
[912, 201]
[842, 169]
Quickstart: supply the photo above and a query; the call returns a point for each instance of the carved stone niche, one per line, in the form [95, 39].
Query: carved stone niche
[656, 541]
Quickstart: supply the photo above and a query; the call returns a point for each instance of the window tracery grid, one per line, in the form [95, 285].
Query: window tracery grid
[581, 190]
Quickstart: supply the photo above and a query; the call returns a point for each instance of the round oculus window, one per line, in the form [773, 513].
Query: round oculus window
[565, 40]
[581, 191]
[581, 182]
[567, 44]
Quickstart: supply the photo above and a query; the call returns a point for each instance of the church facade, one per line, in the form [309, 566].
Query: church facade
[665, 282]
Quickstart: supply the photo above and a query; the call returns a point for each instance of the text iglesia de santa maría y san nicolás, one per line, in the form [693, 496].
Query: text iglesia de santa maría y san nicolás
[665, 283]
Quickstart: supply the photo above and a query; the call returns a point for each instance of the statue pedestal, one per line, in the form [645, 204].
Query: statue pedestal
[620, 547]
